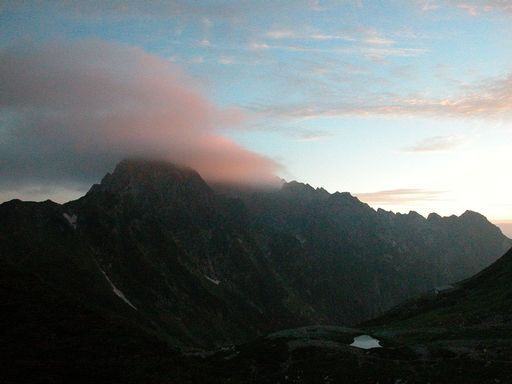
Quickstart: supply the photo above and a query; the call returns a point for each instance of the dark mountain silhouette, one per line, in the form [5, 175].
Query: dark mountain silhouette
[152, 260]
[335, 244]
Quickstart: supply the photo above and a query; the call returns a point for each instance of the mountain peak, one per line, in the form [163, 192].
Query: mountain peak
[472, 215]
[138, 177]
[295, 187]
[434, 217]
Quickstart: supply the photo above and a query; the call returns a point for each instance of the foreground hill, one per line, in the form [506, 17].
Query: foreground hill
[483, 301]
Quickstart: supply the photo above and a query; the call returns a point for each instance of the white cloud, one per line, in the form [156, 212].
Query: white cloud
[435, 144]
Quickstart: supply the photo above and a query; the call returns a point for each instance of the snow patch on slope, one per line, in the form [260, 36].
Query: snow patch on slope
[72, 219]
[214, 281]
[118, 291]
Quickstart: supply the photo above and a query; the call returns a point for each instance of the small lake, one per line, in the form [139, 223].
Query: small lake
[365, 342]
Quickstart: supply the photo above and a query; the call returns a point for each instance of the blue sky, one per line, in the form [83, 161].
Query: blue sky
[407, 104]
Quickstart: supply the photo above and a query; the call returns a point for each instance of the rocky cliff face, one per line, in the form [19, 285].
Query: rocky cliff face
[153, 248]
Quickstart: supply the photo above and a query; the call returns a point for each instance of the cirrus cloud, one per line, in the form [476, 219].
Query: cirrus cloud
[488, 99]
[472, 7]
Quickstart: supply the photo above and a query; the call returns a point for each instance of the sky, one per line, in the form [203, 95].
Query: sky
[405, 104]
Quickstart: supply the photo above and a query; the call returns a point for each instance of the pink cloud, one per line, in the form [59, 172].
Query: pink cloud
[505, 226]
[399, 196]
[74, 108]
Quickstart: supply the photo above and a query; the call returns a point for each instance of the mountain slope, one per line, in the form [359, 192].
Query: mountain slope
[339, 253]
[59, 314]
[483, 301]
[154, 240]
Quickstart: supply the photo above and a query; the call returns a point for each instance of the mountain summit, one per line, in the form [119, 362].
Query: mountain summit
[145, 177]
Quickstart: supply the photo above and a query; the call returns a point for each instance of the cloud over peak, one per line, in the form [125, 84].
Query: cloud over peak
[70, 110]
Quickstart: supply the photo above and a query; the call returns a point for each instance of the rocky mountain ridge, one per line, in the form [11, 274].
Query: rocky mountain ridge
[154, 247]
